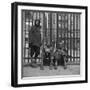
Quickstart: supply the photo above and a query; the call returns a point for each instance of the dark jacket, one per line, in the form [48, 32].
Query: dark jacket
[35, 36]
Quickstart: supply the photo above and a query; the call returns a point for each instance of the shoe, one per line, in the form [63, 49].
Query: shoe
[55, 67]
[65, 67]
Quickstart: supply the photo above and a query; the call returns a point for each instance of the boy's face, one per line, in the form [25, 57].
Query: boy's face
[37, 22]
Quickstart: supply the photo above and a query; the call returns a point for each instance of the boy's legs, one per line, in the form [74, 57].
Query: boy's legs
[55, 63]
[65, 64]
[35, 50]
[32, 53]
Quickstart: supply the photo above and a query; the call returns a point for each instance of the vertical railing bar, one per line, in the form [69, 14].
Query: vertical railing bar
[50, 28]
[23, 27]
[76, 35]
[22, 50]
[32, 18]
[73, 37]
[61, 27]
[57, 31]
[67, 36]
[70, 38]
[28, 32]
[64, 28]
[43, 28]
[25, 38]
[36, 14]
[79, 37]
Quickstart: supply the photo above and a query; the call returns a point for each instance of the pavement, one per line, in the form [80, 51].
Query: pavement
[28, 71]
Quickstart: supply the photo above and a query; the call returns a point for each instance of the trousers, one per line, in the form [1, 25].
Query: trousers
[35, 50]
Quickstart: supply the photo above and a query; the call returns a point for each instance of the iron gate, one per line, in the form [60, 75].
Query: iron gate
[59, 27]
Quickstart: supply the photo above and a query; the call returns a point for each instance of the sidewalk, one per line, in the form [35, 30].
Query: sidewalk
[31, 72]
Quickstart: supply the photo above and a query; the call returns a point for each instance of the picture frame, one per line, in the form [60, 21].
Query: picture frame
[67, 18]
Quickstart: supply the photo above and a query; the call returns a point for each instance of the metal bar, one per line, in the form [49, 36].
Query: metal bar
[50, 28]
[60, 28]
[79, 37]
[64, 30]
[67, 35]
[23, 27]
[57, 31]
[24, 36]
[76, 35]
[70, 39]
[70, 35]
[73, 37]
[29, 17]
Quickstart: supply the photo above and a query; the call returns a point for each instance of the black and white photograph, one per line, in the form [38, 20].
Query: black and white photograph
[51, 43]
